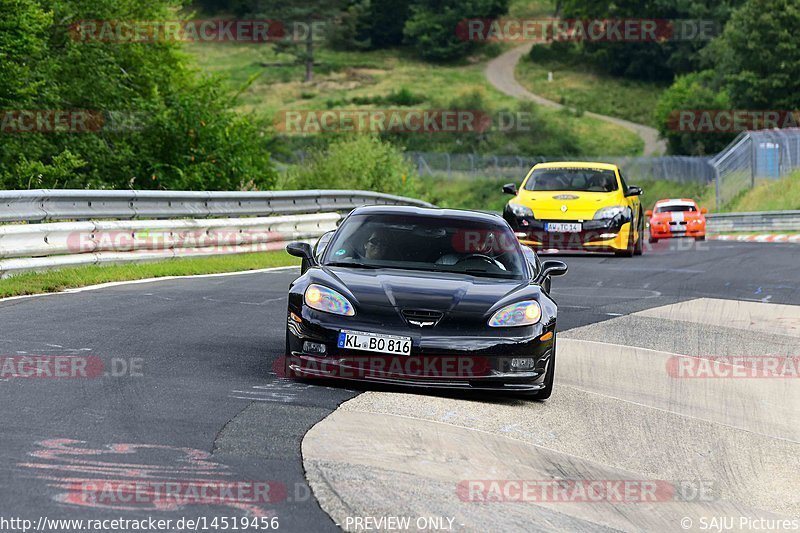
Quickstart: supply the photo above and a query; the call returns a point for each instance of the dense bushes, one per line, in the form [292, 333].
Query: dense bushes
[163, 126]
[691, 93]
[361, 162]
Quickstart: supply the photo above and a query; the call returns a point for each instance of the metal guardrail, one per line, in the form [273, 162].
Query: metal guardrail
[75, 204]
[770, 222]
[152, 225]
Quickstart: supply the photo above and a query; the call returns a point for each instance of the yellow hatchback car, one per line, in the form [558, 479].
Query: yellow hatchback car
[577, 206]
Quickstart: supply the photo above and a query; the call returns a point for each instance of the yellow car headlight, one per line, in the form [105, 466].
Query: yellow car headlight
[519, 210]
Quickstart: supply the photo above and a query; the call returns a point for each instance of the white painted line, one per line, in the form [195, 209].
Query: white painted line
[148, 280]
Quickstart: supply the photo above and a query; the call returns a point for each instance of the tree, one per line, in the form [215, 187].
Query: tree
[304, 22]
[653, 61]
[758, 55]
[692, 94]
[178, 130]
[431, 29]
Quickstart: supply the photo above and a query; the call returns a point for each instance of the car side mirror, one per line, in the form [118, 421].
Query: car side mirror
[322, 243]
[648, 213]
[301, 250]
[633, 190]
[703, 211]
[510, 188]
[551, 268]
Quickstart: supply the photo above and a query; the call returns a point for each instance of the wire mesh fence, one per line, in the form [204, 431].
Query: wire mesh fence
[673, 168]
[754, 157]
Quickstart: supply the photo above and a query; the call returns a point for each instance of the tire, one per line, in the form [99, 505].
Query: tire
[549, 379]
[700, 238]
[651, 240]
[638, 248]
[630, 250]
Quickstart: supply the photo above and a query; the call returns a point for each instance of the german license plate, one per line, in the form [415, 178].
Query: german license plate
[563, 227]
[374, 342]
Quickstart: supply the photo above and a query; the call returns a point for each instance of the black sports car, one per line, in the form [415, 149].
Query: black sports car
[423, 297]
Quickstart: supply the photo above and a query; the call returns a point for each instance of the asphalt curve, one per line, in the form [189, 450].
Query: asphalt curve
[180, 386]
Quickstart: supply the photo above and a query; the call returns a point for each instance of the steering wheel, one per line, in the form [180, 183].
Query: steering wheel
[482, 257]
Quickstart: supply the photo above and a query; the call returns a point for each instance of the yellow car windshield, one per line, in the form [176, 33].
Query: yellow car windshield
[572, 179]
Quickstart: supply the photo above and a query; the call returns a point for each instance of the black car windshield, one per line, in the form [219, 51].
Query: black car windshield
[429, 243]
[572, 179]
[675, 208]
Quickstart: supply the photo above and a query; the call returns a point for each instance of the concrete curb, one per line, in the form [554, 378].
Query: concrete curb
[765, 237]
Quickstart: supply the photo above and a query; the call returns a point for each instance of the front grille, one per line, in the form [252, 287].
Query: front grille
[427, 318]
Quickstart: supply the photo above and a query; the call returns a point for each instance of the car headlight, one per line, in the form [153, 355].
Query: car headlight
[328, 301]
[610, 212]
[524, 313]
[519, 210]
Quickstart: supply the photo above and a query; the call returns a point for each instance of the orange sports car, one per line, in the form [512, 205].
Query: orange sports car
[677, 218]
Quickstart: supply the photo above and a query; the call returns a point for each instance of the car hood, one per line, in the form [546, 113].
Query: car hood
[549, 205]
[409, 289]
[676, 216]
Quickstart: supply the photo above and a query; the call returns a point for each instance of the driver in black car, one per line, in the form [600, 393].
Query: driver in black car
[488, 249]
[375, 247]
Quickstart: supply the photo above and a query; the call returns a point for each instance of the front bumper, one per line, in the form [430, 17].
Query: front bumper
[438, 360]
[666, 232]
[601, 235]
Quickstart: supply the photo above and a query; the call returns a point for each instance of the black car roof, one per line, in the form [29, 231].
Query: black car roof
[462, 214]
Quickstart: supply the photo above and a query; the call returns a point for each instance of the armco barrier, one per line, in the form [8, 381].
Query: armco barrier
[125, 226]
[770, 221]
[42, 205]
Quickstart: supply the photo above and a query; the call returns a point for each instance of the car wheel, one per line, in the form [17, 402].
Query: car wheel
[549, 379]
[281, 365]
[652, 240]
[638, 248]
[629, 251]
[700, 238]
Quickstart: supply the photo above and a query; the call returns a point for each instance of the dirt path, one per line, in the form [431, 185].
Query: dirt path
[500, 73]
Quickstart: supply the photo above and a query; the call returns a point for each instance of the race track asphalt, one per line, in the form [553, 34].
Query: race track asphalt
[186, 393]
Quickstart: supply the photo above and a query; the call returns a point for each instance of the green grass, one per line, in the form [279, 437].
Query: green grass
[659, 190]
[345, 76]
[531, 8]
[483, 194]
[580, 87]
[772, 195]
[68, 278]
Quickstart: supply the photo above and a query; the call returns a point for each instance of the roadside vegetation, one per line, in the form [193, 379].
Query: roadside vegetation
[70, 278]
[769, 195]
[396, 79]
[587, 89]
[751, 62]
